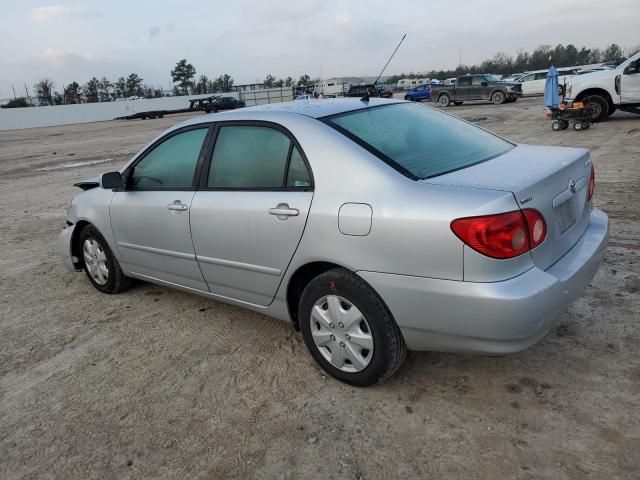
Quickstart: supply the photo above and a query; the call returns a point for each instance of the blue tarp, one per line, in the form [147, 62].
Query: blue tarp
[551, 98]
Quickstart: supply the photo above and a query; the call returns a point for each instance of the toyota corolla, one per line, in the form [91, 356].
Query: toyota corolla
[372, 226]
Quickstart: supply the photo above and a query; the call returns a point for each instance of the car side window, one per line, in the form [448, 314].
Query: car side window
[464, 82]
[527, 78]
[249, 157]
[298, 175]
[541, 76]
[170, 164]
[477, 81]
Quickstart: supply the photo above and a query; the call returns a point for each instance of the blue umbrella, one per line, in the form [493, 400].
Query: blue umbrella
[551, 98]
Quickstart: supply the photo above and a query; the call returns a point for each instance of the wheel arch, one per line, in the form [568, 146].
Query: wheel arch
[76, 248]
[300, 279]
[596, 91]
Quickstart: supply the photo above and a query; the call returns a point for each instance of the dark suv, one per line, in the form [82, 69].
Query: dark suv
[371, 89]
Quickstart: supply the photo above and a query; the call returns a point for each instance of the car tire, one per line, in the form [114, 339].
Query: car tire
[444, 100]
[498, 98]
[599, 107]
[555, 126]
[99, 263]
[362, 353]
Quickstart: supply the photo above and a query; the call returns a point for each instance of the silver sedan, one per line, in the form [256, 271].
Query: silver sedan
[372, 226]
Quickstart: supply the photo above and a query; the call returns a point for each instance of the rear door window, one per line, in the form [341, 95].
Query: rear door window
[247, 157]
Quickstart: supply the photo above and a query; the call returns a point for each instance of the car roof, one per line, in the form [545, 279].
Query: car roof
[309, 108]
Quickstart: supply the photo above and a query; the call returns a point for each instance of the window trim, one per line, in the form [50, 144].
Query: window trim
[208, 161]
[199, 163]
[392, 163]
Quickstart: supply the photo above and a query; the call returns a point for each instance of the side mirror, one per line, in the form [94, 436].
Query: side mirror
[484, 84]
[111, 180]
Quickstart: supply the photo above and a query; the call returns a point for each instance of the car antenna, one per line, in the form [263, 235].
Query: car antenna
[365, 97]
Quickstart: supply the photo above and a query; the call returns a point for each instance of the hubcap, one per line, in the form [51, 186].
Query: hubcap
[341, 333]
[96, 261]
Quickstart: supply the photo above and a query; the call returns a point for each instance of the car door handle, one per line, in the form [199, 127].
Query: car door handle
[176, 206]
[283, 210]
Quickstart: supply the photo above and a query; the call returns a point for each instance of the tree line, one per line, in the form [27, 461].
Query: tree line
[540, 58]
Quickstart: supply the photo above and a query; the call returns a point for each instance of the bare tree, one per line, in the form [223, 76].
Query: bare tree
[44, 91]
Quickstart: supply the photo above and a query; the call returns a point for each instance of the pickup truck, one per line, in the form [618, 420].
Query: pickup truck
[476, 87]
[608, 90]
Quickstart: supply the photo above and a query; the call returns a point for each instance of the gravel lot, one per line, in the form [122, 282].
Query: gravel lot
[156, 383]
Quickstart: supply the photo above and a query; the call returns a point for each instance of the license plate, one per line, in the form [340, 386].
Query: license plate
[565, 215]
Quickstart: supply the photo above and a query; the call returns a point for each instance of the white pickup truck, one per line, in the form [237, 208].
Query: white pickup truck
[608, 90]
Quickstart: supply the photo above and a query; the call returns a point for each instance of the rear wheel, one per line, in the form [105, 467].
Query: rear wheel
[498, 98]
[444, 100]
[348, 329]
[99, 263]
[599, 107]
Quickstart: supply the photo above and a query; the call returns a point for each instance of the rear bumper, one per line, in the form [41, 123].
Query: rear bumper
[497, 317]
[64, 247]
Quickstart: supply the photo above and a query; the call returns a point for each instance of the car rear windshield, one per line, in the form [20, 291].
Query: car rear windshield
[419, 141]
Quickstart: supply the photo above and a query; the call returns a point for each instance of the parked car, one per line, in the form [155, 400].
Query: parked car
[223, 103]
[533, 82]
[425, 231]
[608, 90]
[449, 81]
[476, 87]
[362, 89]
[384, 91]
[513, 77]
[418, 94]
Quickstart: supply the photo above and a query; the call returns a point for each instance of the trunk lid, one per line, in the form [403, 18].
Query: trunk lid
[552, 180]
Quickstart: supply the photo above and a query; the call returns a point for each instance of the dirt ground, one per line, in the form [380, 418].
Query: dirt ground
[156, 383]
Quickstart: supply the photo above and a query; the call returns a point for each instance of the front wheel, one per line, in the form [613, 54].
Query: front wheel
[99, 263]
[498, 98]
[348, 329]
[599, 107]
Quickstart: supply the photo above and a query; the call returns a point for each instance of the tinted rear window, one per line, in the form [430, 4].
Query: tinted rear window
[420, 142]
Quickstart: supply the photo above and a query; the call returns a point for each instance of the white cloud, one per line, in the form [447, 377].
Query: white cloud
[342, 20]
[55, 12]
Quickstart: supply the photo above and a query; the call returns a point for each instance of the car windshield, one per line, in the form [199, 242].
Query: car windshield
[491, 78]
[419, 141]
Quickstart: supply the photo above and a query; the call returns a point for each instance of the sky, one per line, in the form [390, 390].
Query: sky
[248, 39]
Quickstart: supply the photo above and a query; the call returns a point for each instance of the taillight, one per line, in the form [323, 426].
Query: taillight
[505, 235]
[592, 182]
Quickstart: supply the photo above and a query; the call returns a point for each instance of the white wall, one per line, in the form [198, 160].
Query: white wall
[14, 118]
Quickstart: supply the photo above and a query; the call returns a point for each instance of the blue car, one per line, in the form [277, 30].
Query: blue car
[418, 94]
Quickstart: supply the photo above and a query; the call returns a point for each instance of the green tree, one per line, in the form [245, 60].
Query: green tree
[105, 87]
[183, 74]
[269, 81]
[279, 83]
[304, 80]
[44, 91]
[72, 93]
[613, 53]
[91, 90]
[19, 102]
[202, 86]
[121, 87]
[134, 85]
[288, 82]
